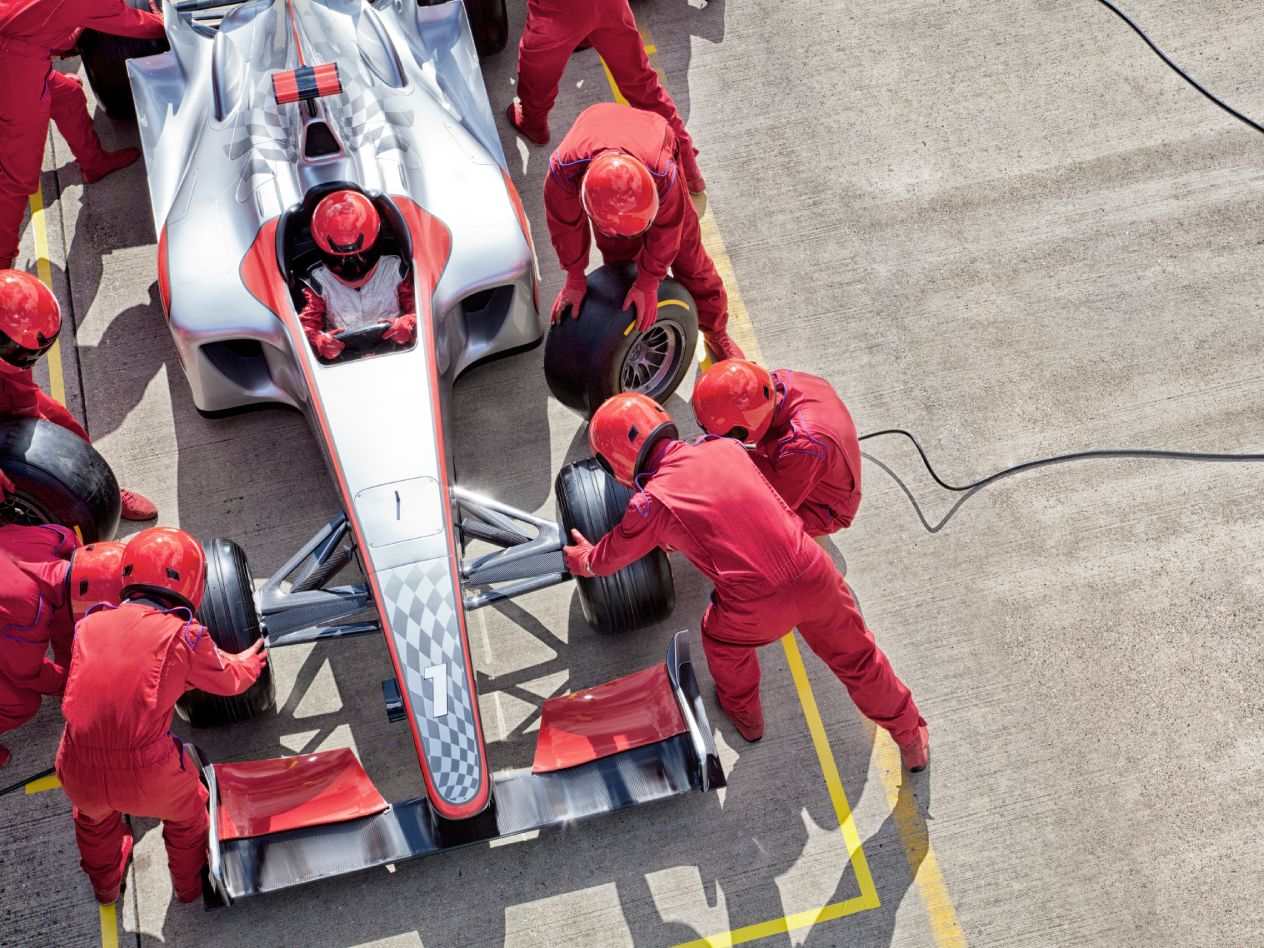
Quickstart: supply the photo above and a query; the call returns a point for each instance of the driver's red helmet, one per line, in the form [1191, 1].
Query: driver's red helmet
[619, 195]
[344, 223]
[735, 399]
[166, 561]
[30, 318]
[96, 575]
[623, 430]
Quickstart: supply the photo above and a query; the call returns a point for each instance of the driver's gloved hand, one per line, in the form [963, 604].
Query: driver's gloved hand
[327, 344]
[402, 330]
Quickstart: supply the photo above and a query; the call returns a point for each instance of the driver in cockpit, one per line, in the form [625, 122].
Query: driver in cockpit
[355, 285]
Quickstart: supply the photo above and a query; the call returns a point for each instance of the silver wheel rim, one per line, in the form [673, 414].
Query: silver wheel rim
[652, 360]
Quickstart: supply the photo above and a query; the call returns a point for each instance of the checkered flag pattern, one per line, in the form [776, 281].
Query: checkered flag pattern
[427, 635]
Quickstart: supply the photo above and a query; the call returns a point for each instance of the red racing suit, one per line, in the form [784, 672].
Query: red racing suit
[707, 501]
[321, 330]
[117, 755]
[33, 92]
[553, 30]
[811, 453]
[34, 610]
[673, 241]
[21, 397]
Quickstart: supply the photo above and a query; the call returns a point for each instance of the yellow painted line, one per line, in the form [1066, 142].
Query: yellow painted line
[42, 785]
[945, 928]
[109, 926]
[44, 269]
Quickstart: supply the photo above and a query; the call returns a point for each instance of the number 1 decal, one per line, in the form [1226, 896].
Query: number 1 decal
[437, 674]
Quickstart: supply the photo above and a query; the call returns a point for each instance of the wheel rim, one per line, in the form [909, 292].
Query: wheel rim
[17, 509]
[652, 360]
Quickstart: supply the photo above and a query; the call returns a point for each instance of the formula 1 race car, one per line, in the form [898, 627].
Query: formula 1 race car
[246, 122]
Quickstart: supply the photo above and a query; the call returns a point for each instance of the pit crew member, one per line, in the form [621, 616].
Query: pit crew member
[800, 435]
[33, 92]
[30, 320]
[707, 501]
[129, 667]
[615, 177]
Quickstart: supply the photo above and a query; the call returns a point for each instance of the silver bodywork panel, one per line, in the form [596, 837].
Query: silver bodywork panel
[224, 161]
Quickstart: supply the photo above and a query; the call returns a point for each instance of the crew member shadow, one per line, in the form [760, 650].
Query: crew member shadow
[673, 24]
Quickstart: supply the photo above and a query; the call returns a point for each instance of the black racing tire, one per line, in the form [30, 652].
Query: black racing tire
[587, 360]
[489, 22]
[105, 59]
[228, 611]
[591, 501]
[59, 477]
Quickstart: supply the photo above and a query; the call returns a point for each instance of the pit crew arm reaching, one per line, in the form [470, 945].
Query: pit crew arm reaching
[115, 17]
[646, 524]
[571, 236]
[218, 672]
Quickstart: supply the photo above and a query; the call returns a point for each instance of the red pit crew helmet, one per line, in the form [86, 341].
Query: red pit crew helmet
[30, 318]
[735, 399]
[623, 430]
[619, 195]
[165, 561]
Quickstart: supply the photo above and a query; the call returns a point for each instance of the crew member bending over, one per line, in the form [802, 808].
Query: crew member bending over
[130, 666]
[798, 431]
[707, 501]
[356, 285]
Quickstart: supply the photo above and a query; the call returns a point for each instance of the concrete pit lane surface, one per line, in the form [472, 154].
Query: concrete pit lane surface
[1005, 227]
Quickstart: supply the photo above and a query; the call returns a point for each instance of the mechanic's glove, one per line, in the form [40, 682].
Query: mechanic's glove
[6, 485]
[643, 298]
[571, 297]
[327, 344]
[255, 658]
[402, 330]
[577, 556]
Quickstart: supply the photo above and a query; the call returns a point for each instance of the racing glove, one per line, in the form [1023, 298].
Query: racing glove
[572, 296]
[255, 659]
[402, 330]
[643, 298]
[578, 555]
[327, 344]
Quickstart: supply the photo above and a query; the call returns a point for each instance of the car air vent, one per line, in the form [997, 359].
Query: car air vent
[319, 141]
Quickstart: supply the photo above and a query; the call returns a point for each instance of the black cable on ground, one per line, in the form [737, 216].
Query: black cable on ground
[1108, 4]
[969, 490]
[25, 780]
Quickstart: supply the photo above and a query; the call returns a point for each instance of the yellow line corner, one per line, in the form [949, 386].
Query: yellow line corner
[42, 785]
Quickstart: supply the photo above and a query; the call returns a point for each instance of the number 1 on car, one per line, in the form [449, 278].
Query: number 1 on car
[437, 674]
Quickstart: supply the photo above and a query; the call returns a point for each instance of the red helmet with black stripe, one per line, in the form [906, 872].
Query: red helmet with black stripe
[735, 399]
[619, 195]
[623, 430]
[30, 318]
[96, 575]
[165, 561]
[345, 222]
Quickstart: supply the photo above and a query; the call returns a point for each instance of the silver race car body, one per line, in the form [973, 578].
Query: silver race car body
[235, 168]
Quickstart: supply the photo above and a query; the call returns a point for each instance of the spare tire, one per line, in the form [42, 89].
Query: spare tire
[59, 477]
[489, 22]
[105, 59]
[591, 501]
[587, 360]
[228, 611]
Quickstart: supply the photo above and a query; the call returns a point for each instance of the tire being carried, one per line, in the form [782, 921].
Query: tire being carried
[59, 477]
[105, 59]
[228, 611]
[591, 501]
[587, 360]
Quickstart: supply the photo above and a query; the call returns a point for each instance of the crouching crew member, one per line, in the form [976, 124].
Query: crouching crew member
[30, 319]
[356, 285]
[33, 92]
[117, 754]
[768, 575]
[615, 176]
[555, 29]
[47, 582]
[800, 434]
